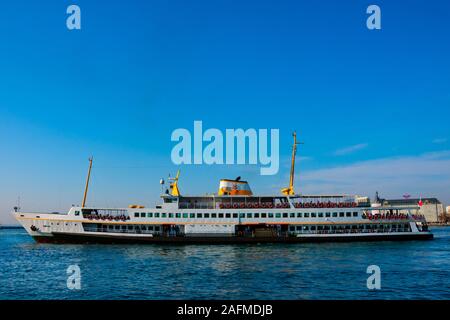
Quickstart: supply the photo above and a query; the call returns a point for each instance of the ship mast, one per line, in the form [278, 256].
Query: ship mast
[87, 182]
[289, 191]
[174, 185]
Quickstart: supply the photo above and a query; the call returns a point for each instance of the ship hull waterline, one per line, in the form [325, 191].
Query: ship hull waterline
[123, 239]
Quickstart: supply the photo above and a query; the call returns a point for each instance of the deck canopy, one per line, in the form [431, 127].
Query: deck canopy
[226, 201]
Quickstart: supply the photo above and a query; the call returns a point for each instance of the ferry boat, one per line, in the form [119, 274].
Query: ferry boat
[233, 215]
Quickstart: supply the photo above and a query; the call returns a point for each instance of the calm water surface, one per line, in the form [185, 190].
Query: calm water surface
[410, 270]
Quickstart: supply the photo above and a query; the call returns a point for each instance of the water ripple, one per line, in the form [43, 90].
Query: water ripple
[410, 270]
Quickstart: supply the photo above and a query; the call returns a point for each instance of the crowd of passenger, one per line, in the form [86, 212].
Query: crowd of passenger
[327, 204]
[108, 217]
[392, 216]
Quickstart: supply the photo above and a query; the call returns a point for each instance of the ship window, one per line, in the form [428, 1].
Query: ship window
[206, 215]
[320, 214]
[185, 215]
[278, 215]
[292, 214]
[292, 228]
[150, 228]
[313, 227]
[199, 215]
[130, 227]
[341, 214]
[256, 215]
[354, 227]
[270, 215]
[305, 228]
[150, 215]
[157, 228]
[355, 214]
[319, 228]
[335, 214]
[136, 214]
[228, 215]
[249, 215]
[313, 214]
[213, 215]
[299, 214]
[156, 214]
[326, 228]
[299, 228]
[235, 215]
[285, 215]
[163, 215]
[220, 215]
[306, 215]
[178, 215]
[327, 214]
[144, 228]
[348, 214]
[77, 213]
[124, 227]
[191, 215]
[117, 227]
[142, 214]
[241, 215]
[170, 215]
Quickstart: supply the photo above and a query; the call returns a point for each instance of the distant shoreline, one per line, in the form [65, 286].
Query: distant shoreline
[10, 227]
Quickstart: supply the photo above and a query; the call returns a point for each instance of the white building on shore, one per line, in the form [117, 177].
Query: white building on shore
[431, 208]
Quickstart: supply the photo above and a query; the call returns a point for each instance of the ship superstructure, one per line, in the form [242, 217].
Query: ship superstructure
[233, 215]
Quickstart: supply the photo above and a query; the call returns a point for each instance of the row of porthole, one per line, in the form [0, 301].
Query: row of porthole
[58, 224]
[347, 227]
[131, 227]
[246, 215]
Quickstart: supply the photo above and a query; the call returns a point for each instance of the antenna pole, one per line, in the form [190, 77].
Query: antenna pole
[87, 182]
[294, 152]
[289, 191]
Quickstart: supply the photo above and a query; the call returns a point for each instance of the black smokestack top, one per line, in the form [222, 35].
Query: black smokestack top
[238, 178]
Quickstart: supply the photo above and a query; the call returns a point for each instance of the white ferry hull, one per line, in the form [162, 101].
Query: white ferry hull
[174, 225]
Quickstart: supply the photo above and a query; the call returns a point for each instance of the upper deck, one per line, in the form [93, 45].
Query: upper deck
[268, 202]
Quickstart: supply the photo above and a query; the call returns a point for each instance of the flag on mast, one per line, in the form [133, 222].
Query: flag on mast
[420, 202]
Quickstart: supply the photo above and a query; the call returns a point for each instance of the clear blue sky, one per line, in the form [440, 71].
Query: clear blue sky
[378, 100]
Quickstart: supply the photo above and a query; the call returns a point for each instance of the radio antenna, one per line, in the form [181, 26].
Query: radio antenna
[289, 191]
[87, 182]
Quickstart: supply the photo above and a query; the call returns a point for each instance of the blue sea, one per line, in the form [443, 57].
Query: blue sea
[409, 270]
